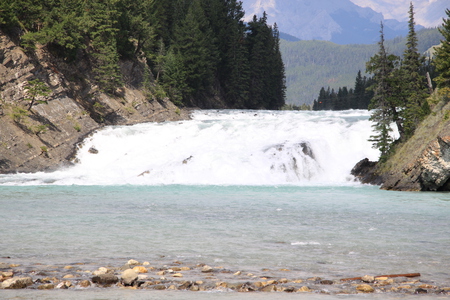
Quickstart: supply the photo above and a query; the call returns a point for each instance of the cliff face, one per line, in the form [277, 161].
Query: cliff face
[422, 163]
[45, 137]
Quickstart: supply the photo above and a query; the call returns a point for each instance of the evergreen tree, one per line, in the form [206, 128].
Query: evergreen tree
[412, 83]
[101, 19]
[442, 59]
[194, 55]
[384, 102]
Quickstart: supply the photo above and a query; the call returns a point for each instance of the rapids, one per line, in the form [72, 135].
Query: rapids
[221, 147]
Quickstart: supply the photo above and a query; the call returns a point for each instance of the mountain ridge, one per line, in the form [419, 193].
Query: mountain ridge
[341, 22]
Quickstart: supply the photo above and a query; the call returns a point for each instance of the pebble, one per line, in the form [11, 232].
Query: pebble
[365, 288]
[46, 286]
[207, 269]
[140, 269]
[85, 283]
[132, 262]
[368, 279]
[305, 289]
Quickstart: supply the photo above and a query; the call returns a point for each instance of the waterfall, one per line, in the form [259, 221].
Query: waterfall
[222, 147]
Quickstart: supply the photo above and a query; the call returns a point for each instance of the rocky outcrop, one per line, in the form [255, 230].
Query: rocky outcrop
[420, 164]
[44, 138]
[366, 172]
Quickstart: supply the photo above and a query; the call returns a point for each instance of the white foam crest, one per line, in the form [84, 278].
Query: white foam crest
[230, 147]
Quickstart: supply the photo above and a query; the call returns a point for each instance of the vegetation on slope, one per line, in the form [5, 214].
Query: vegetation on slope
[200, 51]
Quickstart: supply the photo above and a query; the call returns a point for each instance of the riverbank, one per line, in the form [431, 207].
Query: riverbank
[181, 276]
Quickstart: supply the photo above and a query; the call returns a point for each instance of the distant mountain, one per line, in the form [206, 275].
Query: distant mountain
[428, 13]
[311, 65]
[339, 21]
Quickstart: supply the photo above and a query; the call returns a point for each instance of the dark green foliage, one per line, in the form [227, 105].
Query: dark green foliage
[400, 91]
[442, 60]
[198, 50]
[384, 103]
[412, 82]
[355, 98]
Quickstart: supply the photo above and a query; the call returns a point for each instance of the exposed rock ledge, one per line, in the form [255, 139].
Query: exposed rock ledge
[421, 164]
[46, 138]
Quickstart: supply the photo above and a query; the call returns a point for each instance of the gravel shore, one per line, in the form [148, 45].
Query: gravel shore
[201, 277]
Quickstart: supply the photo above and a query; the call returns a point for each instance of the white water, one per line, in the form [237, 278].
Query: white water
[222, 148]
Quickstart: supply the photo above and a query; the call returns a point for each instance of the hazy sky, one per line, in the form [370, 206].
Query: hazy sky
[428, 12]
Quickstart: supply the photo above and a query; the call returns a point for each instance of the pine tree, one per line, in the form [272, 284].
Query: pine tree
[442, 59]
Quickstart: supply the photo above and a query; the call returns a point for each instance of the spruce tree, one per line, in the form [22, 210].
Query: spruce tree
[383, 104]
[412, 83]
[442, 58]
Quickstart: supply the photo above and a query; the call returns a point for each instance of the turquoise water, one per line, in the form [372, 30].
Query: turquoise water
[245, 190]
[316, 231]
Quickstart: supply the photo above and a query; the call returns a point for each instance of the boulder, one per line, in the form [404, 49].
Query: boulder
[129, 277]
[105, 279]
[17, 283]
[366, 172]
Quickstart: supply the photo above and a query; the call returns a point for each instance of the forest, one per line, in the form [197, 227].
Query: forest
[311, 65]
[196, 50]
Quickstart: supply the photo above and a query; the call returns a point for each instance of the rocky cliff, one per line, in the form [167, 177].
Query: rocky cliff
[45, 137]
[422, 163]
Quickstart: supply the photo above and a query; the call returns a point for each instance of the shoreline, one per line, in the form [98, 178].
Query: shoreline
[181, 276]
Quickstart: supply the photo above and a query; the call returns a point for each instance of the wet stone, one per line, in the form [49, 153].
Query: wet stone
[305, 289]
[368, 279]
[105, 279]
[17, 283]
[269, 288]
[421, 291]
[129, 277]
[85, 283]
[365, 288]
[46, 286]
[326, 282]
[207, 269]
[159, 287]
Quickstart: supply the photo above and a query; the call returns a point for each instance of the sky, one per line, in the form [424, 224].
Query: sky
[429, 13]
